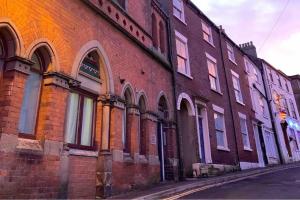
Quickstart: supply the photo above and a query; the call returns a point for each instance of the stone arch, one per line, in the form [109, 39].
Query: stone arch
[47, 48]
[13, 37]
[128, 88]
[143, 95]
[163, 103]
[190, 105]
[90, 46]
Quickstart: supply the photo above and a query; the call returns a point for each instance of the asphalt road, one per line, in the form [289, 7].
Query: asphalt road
[279, 185]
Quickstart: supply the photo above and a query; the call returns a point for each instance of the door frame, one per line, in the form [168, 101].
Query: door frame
[205, 129]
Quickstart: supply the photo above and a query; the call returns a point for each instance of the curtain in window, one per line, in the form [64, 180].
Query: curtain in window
[30, 103]
[87, 122]
[72, 118]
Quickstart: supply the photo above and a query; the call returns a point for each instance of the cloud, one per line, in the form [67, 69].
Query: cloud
[253, 20]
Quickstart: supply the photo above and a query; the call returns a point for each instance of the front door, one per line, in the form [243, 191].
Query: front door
[201, 136]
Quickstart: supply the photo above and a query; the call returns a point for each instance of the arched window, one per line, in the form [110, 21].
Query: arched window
[126, 121]
[162, 37]
[80, 123]
[142, 126]
[31, 97]
[163, 112]
[154, 31]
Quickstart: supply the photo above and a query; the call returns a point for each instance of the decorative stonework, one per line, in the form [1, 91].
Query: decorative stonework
[57, 79]
[150, 116]
[19, 64]
[29, 146]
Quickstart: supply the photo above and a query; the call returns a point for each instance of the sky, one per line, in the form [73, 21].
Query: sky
[272, 25]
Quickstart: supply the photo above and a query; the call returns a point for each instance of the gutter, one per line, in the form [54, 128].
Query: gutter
[230, 102]
[170, 48]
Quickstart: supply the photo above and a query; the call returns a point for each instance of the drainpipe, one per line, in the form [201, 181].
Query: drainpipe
[271, 113]
[229, 96]
[170, 48]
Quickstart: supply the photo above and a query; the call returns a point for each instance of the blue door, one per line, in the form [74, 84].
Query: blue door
[202, 153]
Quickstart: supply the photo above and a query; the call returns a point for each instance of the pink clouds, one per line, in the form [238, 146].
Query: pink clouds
[252, 20]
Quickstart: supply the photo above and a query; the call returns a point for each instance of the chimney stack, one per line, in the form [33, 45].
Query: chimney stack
[249, 48]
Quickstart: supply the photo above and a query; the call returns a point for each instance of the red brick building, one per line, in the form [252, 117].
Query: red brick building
[86, 98]
[213, 101]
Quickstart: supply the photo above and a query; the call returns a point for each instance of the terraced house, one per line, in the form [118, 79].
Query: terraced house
[211, 91]
[86, 99]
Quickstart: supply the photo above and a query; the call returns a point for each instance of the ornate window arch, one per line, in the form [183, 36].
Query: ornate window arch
[81, 111]
[142, 105]
[128, 102]
[32, 92]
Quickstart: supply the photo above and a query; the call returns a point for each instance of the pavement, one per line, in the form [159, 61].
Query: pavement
[198, 186]
[283, 184]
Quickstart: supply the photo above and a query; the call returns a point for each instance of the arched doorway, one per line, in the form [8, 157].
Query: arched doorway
[188, 134]
[162, 125]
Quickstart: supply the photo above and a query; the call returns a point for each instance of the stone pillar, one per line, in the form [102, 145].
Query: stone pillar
[104, 163]
[11, 96]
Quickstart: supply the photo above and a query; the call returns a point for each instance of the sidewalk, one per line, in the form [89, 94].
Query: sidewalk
[164, 190]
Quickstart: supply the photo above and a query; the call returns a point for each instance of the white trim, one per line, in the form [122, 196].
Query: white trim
[218, 109]
[210, 57]
[235, 74]
[205, 130]
[180, 36]
[241, 115]
[190, 106]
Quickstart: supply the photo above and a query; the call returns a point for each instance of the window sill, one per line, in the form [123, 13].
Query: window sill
[29, 146]
[241, 103]
[223, 148]
[186, 75]
[210, 43]
[216, 91]
[181, 20]
[247, 149]
[86, 153]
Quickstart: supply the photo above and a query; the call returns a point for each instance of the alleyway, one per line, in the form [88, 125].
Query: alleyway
[279, 185]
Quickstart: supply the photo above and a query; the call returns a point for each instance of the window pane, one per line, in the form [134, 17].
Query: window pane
[243, 125]
[211, 68]
[181, 65]
[30, 103]
[72, 113]
[213, 82]
[220, 138]
[181, 48]
[87, 122]
[245, 140]
[219, 121]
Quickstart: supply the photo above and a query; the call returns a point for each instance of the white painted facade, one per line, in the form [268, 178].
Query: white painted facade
[281, 98]
[262, 123]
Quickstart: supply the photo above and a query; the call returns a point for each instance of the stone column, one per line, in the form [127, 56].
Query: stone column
[104, 163]
[11, 96]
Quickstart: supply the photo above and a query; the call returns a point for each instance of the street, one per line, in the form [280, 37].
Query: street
[279, 185]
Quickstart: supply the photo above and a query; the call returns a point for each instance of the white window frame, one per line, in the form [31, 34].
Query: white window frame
[211, 59]
[184, 40]
[243, 117]
[220, 111]
[237, 77]
[262, 105]
[230, 53]
[210, 39]
[182, 18]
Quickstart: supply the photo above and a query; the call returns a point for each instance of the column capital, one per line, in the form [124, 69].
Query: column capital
[60, 80]
[19, 64]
